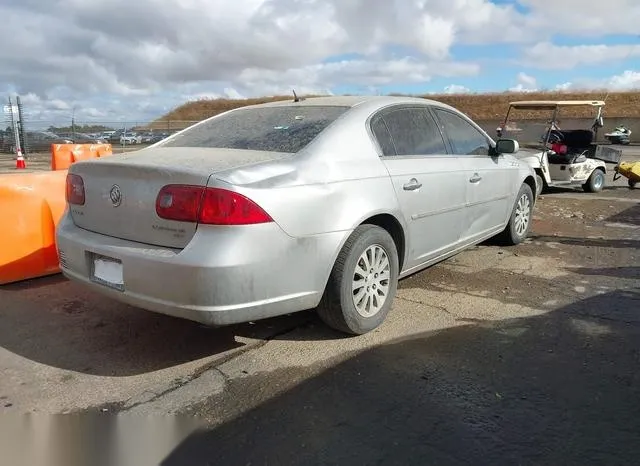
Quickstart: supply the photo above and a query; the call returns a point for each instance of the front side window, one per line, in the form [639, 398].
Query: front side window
[465, 139]
[414, 132]
[284, 128]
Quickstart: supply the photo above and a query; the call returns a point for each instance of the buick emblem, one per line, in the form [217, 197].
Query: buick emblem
[115, 195]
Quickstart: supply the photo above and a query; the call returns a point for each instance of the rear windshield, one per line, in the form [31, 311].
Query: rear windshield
[271, 129]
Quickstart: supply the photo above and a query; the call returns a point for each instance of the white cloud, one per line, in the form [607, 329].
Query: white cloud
[581, 17]
[550, 56]
[564, 86]
[231, 93]
[628, 80]
[526, 83]
[625, 81]
[117, 57]
[456, 89]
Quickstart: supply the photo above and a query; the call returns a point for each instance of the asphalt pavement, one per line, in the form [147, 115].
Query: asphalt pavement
[523, 355]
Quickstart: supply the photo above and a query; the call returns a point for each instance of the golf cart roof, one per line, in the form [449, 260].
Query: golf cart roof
[553, 104]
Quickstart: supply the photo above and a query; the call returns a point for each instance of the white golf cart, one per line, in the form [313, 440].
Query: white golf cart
[560, 157]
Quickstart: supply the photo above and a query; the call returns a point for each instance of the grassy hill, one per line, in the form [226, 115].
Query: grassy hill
[478, 106]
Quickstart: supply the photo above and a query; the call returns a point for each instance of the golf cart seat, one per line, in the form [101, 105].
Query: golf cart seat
[577, 138]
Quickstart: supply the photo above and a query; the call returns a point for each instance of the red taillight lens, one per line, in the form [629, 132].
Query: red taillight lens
[222, 207]
[212, 206]
[179, 202]
[74, 193]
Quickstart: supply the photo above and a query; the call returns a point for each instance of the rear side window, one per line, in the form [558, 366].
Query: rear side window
[381, 132]
[465, 138]
[414, 132]
[272, 129]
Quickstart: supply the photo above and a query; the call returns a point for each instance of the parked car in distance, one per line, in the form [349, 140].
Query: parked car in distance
[82, 138]
[34, 141]
[323, 203]
[130, 138]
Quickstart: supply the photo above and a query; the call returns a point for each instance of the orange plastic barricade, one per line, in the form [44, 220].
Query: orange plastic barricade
[63, 155]
[31, 205]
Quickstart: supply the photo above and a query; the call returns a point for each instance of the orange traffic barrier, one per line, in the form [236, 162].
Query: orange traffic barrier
[63, 155]
[31, 205]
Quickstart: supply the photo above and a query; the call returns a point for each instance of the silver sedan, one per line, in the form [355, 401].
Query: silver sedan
[269, 209]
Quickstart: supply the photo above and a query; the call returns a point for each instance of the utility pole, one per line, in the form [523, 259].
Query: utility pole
[21, 127]
[73, 123]
[14, 127]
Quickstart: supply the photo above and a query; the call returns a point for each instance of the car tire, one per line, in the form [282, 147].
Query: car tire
[595, 183]
[632, 184]
[338, 307]
[519, 224]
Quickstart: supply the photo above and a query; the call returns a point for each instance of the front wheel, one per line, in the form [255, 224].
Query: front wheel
[363, 282]
[520, 221]
[632, 184]
[595, 183]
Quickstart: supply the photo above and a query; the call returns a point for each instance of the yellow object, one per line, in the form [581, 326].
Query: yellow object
[630, 170]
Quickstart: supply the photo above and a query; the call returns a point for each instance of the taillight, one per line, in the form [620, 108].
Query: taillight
[74, 192]
[179, 202]
[211, 206]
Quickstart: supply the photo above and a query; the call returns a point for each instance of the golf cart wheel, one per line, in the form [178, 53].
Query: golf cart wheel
[632, 184]
[595, 183]
[519, 224]
[363, 282]
[539, 185]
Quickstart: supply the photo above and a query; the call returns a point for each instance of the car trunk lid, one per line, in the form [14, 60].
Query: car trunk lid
[121, 190]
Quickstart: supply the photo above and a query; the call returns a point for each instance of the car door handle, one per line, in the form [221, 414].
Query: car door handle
[412, 185]
[475, 178]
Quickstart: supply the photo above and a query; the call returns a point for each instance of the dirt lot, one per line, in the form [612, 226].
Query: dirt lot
[525, 355]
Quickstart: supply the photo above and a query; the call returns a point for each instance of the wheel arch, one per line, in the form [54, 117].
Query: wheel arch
[387, 222]
[531, 181]
[392, 226]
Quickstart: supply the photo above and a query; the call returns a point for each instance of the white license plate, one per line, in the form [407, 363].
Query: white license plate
[108, 271]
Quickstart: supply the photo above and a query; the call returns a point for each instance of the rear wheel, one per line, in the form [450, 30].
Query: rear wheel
[632, 184]
[520, 222]
[595, 183]
[363, 282]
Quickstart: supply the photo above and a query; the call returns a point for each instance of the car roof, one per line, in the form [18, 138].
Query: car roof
[553, 104]
[351, 101]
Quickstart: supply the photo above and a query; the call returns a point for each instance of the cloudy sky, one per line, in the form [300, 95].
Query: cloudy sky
[117, 60]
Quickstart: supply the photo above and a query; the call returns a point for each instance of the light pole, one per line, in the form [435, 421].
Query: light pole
[73, 122]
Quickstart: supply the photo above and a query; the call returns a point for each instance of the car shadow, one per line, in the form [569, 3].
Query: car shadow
[558, 388]
[630, 272]
[54, 322]
[630, 216]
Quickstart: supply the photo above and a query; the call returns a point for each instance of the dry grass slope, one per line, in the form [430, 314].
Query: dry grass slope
[477, 106]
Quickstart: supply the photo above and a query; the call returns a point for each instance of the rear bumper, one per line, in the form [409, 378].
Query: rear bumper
[225, 275]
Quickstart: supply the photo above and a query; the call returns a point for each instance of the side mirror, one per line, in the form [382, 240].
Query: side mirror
[507, 146]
